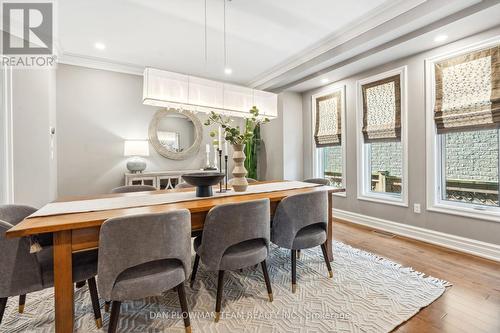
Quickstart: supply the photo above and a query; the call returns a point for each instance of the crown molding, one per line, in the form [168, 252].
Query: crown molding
[375, 18]
[75, 59]
[423, 18]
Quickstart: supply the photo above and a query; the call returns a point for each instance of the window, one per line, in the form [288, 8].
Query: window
[385, 167]
[331, 165]
[470, 168]
[382, 153]
[463, 135]
[328, 115]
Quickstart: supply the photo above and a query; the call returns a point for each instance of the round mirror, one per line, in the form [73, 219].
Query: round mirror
[175, 134]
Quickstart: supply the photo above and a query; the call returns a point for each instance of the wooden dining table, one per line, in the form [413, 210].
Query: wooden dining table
[80, 232]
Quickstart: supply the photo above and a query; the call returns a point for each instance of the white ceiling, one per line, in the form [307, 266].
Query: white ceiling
[169, 34]
[418, 42]
[271, 44]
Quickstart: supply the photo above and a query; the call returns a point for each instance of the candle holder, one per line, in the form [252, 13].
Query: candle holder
[225, 170]
[207, 165]
[216, 151]
[221, 190]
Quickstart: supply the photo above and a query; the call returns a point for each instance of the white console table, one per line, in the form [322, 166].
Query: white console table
[160, 179]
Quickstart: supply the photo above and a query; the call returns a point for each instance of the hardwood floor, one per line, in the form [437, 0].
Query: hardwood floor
[471, 305]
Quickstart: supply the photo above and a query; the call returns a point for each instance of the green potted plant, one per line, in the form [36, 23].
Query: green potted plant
[238, 138]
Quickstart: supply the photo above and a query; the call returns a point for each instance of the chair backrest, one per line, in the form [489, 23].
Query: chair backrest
[19, 270]
[296, 212]
[322, 181]
[129, 241]
[184, 185]
[133, 188]
[230, 224]
[13, 214]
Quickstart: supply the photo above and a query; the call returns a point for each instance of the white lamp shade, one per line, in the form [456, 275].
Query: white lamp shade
[136, 148]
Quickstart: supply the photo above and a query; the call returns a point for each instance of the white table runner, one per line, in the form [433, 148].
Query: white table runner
[141, 200]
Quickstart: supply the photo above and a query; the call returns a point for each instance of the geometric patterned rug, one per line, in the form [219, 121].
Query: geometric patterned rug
[367, 294]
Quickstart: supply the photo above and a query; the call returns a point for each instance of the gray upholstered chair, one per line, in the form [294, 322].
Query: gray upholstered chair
[22, 272]
[321, 181]
[144, 255]
[235, 236]
[300, 222]
[184, 185]
[133, 188]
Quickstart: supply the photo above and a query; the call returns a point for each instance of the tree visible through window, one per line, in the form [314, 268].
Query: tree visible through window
[471, 167]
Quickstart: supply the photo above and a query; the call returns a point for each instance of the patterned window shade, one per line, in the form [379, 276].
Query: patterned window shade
[382, 110]
[328, 130]
[468, 91]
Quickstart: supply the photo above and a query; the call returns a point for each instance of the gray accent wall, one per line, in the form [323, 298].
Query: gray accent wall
[96, 111]
[483, 230]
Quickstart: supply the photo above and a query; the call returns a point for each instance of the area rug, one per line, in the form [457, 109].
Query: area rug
[367, 294]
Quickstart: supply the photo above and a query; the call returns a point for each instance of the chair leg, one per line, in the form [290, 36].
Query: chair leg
[298, 254]
[115, 313]
[184, 307]
[95, 302]
[268, 282]
[195, 269]
[325, 256]
[80, 284]
[294, 270]
[220, 287]
[106, 306]
[22, 301]
[3, 304]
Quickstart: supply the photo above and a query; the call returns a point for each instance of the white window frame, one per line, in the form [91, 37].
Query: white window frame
[363, 154]
[6, 139]
[434, 151]
[317, 158]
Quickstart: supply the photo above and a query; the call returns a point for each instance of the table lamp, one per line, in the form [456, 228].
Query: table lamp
[136, 149]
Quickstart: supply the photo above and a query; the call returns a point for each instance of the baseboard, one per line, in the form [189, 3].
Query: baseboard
[461, 244]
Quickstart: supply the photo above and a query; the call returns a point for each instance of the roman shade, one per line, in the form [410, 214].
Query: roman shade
[382, 109]
[328, 131]
[468, 91]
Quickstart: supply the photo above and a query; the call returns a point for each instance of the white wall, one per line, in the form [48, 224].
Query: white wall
[272, 148]
[487, 231]
[5, 132]
[283, 140]
[293, 158]
[96, 111]
[33, 95]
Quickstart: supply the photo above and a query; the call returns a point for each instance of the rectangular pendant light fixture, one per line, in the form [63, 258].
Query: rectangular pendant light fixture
[174, 90]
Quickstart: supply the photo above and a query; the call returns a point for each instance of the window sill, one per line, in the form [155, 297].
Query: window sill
[384, 200]
[465, 212]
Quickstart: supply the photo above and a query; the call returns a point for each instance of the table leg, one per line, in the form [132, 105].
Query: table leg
[63, 282]
[329, 240]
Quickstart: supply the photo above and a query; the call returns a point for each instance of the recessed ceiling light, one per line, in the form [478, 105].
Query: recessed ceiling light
[228, 71]
[325, 80]
[100, 46]
[440, 38]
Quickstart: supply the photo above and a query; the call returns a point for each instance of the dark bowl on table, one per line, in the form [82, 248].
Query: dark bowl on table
[203, 182]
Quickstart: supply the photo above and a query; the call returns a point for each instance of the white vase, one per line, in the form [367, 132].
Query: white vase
[239, 181]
